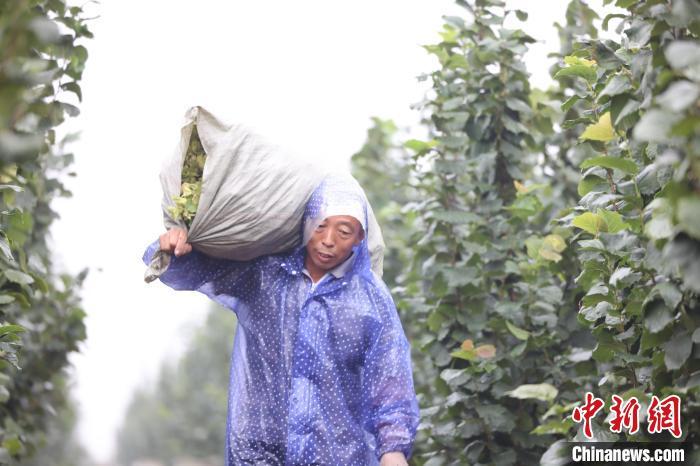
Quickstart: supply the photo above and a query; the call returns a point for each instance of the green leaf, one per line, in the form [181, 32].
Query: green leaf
[659, 227]
[4, 394]
[555, 242]
[677, 350]
[6, 298]
[607, 161]
[655, 126]
[455, 216]
[462, 354]
[580, 355]
[5, 248]
[607, 19]
[450, 104]
[74, 88]
[16, 276]
[548, 254]
[624, 276]
[679, 96]
[518, 349]
[533, 245]
[454, 376]
[593, 313]
[689, 215]
[607, 348]
[589, 222]
[522, 15]
[13, 445]
[657, 316]
[575, 60]
[542, 391]
[435, 320]
[600, 131]
[496, 416]
[591, 244]
[625, 3]
[11, 328]
[558, 454]
[613, 221]
[622, 106]
[590, 183]
[518, 105]
[420, 146]
[525, 206]
[577, 71]
[568, 103]
[617, 85]
[682, 54]
[553, 426]
[669, 292]
[683, 13]
[517, 332]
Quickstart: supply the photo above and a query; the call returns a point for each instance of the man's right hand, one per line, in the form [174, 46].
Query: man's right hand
[175, 240]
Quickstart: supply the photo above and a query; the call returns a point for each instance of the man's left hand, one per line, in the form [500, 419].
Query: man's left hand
[393, 458]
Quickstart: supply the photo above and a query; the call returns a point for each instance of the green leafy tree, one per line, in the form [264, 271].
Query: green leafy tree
[383, 168]
[537, 281]
[488, 277]
[636, 221]
[61, 446]
[41, 320]
[184, 415]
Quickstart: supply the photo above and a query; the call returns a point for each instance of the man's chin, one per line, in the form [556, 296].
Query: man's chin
[326, 266]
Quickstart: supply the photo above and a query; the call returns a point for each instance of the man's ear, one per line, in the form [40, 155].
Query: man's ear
[360, 236]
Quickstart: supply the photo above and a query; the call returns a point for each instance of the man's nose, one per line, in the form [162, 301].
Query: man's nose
[328, 238]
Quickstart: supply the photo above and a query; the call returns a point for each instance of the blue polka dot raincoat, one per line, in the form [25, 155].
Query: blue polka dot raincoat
[320, 375]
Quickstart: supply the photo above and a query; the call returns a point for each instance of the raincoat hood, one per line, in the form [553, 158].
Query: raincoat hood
[340, 194]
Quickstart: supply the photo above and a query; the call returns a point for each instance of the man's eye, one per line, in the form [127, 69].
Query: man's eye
[344, 232]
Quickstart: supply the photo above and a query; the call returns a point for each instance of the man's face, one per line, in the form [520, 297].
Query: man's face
[332, 241]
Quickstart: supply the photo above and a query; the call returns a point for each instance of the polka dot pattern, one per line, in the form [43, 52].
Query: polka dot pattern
[319, 375]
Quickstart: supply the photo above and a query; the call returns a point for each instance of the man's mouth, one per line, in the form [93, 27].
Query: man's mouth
[324, 257]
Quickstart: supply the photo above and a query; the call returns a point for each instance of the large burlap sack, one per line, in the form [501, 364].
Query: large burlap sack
[253, 195]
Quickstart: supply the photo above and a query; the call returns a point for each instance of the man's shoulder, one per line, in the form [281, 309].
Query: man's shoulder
[279, 259]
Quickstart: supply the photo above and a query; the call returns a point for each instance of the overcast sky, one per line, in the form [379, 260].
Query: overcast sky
[306, 74]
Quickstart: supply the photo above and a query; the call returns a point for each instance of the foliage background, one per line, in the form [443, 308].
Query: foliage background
[41, 321]
[184, 414]
[537, 285]
[542, 242]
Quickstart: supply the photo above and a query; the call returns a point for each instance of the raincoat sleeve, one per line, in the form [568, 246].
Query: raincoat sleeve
[388, 388]
[216, 278]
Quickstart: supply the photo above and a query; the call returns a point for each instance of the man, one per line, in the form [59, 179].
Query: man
[321, 371]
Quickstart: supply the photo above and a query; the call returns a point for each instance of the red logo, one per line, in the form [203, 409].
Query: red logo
[665, 415]
[586, 412]
[624, 415]
[661, 415]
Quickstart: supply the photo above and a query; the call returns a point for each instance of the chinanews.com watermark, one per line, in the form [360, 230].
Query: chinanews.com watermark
[628, 453]
[661, 416]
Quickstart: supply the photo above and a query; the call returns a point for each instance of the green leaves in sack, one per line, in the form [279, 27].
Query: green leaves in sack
[186, 203]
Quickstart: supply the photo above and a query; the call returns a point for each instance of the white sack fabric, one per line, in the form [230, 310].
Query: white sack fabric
[253, 195]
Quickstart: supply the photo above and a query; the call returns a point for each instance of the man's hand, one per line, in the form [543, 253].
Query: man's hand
[175, 240]
[393, 458]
